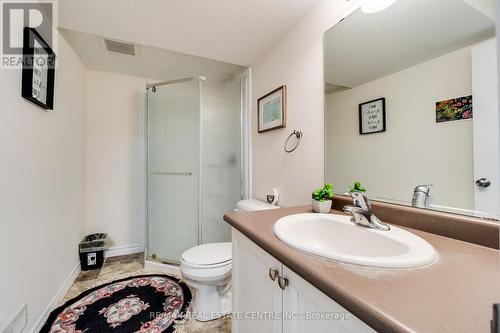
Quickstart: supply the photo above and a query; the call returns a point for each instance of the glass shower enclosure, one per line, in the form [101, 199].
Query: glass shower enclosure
[193, 164]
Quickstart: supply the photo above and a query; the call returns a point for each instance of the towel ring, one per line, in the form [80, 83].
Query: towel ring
[298, 134]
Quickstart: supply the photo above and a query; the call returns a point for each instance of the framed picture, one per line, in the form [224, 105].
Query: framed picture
[271, 110]
[372, 116]
[38, 70]
[454, 109]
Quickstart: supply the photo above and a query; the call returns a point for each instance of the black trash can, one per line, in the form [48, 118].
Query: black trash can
[91, 250]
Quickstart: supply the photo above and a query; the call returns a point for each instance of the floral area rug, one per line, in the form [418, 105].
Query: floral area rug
[145, 304]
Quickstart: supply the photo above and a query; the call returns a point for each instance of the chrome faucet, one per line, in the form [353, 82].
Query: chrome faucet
[362, 213]
[421, 197]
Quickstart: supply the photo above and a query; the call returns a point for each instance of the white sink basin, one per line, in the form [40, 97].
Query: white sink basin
[335, 237]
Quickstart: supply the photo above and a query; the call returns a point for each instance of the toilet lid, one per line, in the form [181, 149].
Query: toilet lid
[208, 254]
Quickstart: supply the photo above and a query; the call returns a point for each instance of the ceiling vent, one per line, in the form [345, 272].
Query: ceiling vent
[119, 47]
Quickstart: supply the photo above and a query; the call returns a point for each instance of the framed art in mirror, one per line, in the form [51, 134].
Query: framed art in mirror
[372, 116]
[38, 70]
[271, 110]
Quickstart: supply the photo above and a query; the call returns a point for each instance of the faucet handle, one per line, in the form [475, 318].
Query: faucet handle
[360, 200]
[423, 188]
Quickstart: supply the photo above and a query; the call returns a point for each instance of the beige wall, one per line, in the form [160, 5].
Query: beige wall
[415, 149]
[297, 62]
[42, 176]
[115, 105]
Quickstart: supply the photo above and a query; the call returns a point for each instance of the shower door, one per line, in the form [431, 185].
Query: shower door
[173, 176]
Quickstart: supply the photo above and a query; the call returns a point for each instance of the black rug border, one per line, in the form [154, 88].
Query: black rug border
[53, 315]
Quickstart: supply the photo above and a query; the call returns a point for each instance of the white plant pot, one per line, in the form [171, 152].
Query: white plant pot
[322, 206]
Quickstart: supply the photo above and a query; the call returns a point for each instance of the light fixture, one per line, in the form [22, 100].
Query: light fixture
[374, 6]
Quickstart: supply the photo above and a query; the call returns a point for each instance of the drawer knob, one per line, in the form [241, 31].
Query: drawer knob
[282, 282]
[273, 274]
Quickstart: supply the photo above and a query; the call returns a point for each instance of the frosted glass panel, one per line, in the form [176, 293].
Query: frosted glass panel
[173, 170]
[173, 164]
[221, 155]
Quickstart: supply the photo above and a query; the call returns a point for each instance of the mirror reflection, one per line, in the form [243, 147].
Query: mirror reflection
[412, 105]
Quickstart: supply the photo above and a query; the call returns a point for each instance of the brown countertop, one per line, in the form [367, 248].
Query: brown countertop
[455, 294]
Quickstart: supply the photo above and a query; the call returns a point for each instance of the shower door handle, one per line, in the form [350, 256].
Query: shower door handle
[171, 173]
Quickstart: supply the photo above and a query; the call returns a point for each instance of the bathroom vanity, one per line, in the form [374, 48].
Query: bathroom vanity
[411, 113]
[312, 294]
[285, 301]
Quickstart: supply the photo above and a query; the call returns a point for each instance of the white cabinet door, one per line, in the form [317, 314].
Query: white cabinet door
[256, 298]
[306, 310]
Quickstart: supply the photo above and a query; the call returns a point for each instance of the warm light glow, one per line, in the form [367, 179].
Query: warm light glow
[373, 6]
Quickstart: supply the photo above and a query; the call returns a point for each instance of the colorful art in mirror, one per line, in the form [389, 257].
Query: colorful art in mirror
[454, 109]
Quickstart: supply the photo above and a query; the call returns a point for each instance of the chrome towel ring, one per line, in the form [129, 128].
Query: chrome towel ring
[298, 134]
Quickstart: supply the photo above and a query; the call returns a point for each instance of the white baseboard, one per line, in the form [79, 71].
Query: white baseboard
[123, 250]
[63, 290]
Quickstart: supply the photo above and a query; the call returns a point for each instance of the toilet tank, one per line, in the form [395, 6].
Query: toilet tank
[250, 205]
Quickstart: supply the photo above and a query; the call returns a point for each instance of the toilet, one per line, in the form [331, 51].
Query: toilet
[207, 269]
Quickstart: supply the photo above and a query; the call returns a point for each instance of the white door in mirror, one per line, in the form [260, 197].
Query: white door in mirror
[486, 135]
[335, 237]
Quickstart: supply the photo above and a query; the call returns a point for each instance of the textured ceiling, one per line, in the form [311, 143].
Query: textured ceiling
[149, 62]
[365, 47]
[233, 31]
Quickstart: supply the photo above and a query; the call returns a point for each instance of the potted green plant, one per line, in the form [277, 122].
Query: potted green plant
[357, 187]
[322, 199]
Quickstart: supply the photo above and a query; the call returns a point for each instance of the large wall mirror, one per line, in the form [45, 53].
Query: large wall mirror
[412, 105]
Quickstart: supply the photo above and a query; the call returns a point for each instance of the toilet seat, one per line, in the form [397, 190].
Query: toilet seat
[222, 264]
[207, 262]
[208, 255]
[206, 274]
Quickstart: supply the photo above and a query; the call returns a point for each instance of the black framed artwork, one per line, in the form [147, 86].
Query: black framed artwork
[372, 116]
[38, 70]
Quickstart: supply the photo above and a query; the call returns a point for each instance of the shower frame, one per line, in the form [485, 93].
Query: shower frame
[246, 154]
[152, 87]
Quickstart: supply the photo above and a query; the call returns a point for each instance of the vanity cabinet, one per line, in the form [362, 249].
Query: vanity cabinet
[256, 298]
[287, 304]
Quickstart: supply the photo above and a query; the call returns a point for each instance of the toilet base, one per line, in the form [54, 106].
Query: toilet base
[209, 304]
[207, 268]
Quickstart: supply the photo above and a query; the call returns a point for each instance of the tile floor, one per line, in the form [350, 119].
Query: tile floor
[112, 269]
[122, 266]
